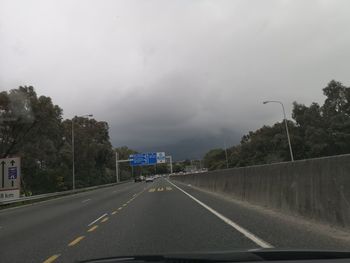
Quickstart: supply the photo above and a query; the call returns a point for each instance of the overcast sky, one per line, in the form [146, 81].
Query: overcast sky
[165, 72]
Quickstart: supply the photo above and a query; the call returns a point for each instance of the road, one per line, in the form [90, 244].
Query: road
[145, 218]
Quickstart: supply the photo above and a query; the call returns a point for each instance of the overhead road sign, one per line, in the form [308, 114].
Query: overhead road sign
[150, 158]
[160, 157]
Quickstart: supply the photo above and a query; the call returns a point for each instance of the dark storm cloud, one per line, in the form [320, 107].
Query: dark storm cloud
[167, 72]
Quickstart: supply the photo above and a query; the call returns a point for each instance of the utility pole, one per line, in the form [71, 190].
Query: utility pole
[73, 157]
[116, 167]
[286, 124]
[226, 154]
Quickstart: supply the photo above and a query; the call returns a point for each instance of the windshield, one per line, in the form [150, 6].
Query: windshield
[156, 127]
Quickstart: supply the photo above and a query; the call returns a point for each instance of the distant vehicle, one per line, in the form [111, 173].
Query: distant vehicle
[149, 179]
[142, 178]
[138, 179]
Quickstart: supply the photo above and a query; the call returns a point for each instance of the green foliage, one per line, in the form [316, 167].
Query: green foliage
[124, 152]
[32, 127]
[124, 168]
[316, 131]
[178, 167]
[94, 156]
[215, 159]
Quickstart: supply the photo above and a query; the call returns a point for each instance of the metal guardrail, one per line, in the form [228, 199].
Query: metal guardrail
[56, 194]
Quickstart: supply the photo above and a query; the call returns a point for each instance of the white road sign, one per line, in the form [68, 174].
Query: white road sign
[10, 178]
[8, 195]
[160, 157]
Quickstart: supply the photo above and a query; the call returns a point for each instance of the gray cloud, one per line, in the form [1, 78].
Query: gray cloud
[165, 72]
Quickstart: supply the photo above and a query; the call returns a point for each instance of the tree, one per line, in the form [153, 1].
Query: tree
[336, 114]
[326, 129]
[125, 169]
[178, 167]
[94, 156]
[215, 159]
[31, 128]
[312, 128]
[124, 152]
[316, 131]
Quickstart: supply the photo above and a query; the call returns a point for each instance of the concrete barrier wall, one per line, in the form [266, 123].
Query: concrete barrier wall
[318, 189]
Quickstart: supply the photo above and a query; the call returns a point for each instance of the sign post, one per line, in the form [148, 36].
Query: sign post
[10, 176]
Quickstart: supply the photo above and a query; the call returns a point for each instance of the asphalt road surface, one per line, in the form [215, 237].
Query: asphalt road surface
[145, 218]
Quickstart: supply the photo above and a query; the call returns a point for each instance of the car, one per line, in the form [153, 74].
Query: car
[138, 179]
[149, 179]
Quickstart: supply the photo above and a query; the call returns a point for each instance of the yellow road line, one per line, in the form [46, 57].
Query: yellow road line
[120, 208]
[76, 241]
[160, 189]
[104, 220]
[114, 212]
[93, 228]
[168, 188]
[151, 190]
[52, 258]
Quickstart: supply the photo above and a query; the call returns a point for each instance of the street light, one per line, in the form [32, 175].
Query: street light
[73, 168]
[226, 154]
[285, 122]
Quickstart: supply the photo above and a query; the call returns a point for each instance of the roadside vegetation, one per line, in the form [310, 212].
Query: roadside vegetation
[315, 131]
[32, 127]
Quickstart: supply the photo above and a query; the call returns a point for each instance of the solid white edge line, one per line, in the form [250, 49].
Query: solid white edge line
[93, 222]
[85, 200]
[240, 229]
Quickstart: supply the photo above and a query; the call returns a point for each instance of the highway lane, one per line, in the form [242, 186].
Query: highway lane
[163, 219]
[140, 218]
[36, 229]
[160, 220]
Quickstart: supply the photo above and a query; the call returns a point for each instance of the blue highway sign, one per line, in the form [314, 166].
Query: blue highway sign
[12, 173]
[143, 159]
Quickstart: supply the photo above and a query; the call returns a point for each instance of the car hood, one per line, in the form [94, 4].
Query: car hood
[231, 256]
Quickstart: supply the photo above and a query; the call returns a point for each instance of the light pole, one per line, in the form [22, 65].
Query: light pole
[116, 167]
[285, 122]
[226, 154]
[171, 163]
[73, 161]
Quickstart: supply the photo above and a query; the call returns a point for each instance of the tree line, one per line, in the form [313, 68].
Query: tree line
[315, 131]
[32, 127]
